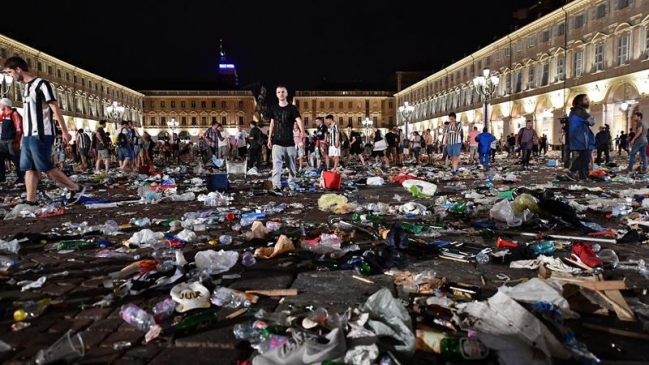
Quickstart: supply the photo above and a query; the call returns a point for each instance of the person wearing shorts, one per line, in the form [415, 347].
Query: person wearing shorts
[334, 142]
[453, 137]
[299, 146]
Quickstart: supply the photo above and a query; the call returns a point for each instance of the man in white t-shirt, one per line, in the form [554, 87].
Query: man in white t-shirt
[241, 137]
[224, 143]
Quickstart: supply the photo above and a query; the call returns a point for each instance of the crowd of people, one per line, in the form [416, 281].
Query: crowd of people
[36, 143]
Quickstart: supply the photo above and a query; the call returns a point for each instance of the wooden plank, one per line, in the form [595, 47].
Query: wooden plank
[594, 285]
[274, 292]
[624, 313]
[615, 331]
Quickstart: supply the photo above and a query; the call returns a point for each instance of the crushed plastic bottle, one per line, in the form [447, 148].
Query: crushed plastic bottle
[248, 259]
[229, 298]
[225, 239]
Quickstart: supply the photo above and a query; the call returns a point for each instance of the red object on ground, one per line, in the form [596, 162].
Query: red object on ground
[585, 253]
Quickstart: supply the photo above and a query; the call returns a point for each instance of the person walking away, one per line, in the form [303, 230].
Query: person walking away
[103, 142]
[473, 146]
[242, 146]
[638, 143]
[603, 144]
[11, 133]
[39, 102]
[254, 140]
[83, 142]
[355, 145]
[581, 139]
[525, 140]
[624, 144]
[299, 146]
[280, 138]
[484, 140]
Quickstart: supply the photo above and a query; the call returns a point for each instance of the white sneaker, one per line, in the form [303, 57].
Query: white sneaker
[305, 349]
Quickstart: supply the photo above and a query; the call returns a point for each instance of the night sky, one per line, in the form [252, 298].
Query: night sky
[145, 44]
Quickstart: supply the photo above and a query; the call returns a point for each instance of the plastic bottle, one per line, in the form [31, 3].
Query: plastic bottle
[483, 257]
[225, 239]
[246, 221]
[229, 298]
[164, 309]
[543, 247]
[137, 317]
[6, 262]
[32, 310]
[454, 349]
[367, 218]
[248, 259]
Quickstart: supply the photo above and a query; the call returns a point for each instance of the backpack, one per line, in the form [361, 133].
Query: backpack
[122, 141]
[85, 139]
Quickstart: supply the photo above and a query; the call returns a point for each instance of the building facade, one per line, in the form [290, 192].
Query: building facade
[190, 112]
[595, 47]
[83, 96]
[348, 107]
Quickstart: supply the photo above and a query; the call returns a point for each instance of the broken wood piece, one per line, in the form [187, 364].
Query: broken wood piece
[363, 279]
[615, 331]
[274, 292]
[579, 264]
[594, 285]
[621, 308]
[453, 259]
[236, 313]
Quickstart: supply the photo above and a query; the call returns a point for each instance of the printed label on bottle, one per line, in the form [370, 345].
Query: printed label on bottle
[473, 349]
[429, 341]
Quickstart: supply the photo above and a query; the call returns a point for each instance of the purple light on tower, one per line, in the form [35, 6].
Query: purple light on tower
[227, 71]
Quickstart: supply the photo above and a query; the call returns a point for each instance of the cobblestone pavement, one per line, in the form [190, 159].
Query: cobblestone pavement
[104, 333]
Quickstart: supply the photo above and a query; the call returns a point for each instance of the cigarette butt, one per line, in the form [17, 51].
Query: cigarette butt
[363, 279]
[484, 281]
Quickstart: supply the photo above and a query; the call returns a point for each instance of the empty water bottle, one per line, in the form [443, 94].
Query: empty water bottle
[164, 309]
[6, 262]
[229, 298]
[543, 247]
[225, 239]
[483, 257]
[248, 259]
[137, 317]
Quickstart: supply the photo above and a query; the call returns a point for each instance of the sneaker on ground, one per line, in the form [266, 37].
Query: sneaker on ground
[72, 197]
[306, 350]
[586, 254]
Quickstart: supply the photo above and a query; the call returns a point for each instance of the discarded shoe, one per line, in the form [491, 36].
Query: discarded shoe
[585, 253]
[306, 350]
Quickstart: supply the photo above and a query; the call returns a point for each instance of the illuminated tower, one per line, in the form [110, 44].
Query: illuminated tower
[227, 71]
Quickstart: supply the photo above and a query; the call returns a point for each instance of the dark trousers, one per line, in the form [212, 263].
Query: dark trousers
[7, 152]
[604, 150]
[527, 153]
[254, 158]
[581, 163]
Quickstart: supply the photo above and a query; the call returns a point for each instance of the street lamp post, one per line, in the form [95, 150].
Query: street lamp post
[115, 112]
[173, 124]
[486, 85]
[367, 123]
[5, 85]
[406, 111]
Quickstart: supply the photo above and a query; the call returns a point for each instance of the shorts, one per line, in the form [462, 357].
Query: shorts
[453, 150]
[334, 151]
[36, 153]
[300, 151]
[124, 153]
[473, 150]
[83, 152]
[378, 153]
[323, 149]
[416, 151]
[391, 151]
[243, 151]
[430, 149]
[103, 154]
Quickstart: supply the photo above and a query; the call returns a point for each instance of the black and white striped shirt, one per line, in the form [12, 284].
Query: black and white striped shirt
[334, 134]
[38, 116]
[453, 133]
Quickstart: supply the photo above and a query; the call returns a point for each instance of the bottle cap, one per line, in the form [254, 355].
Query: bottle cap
[20, 315]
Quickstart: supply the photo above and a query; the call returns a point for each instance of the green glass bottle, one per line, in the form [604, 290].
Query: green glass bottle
[459, 207]
[458, 349]
[76, 244]
[412, 228]
[193, 322]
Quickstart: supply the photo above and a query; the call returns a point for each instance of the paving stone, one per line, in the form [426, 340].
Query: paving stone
[196, 356]
[99, 356]
[106, 324]
[30, 347]
[94, 313]
[324, 289]
[92, 339]
[220, 335]
[134, 337]
[251, 280]
[75, 325]
[94, 283]
[143, 352]
[57, 290]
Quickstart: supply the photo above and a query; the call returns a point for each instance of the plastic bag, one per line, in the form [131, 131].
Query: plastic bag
[502, 211]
